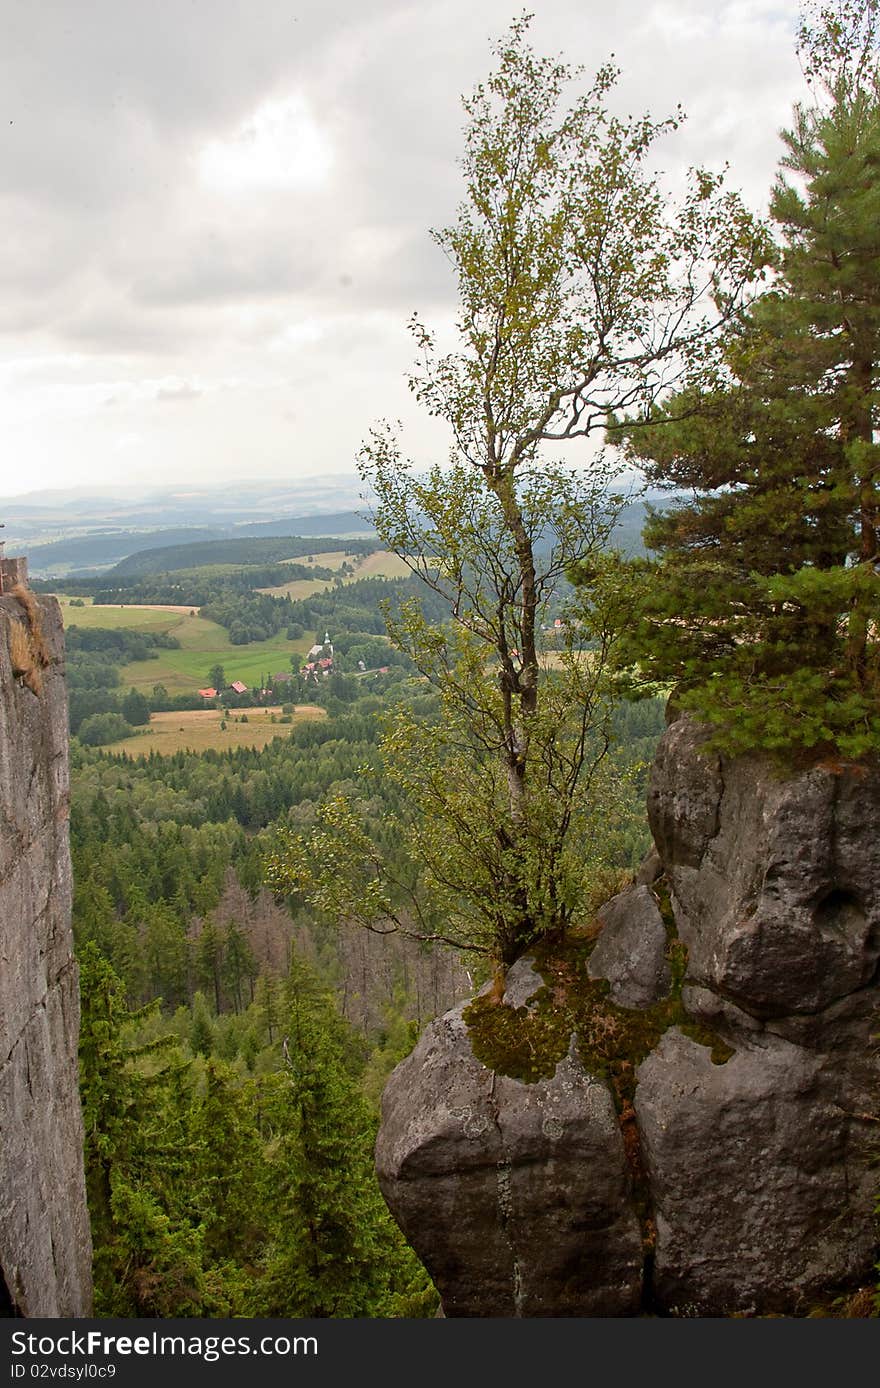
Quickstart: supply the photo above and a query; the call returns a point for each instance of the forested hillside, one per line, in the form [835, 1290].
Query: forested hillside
[205, 996]
[263, 551]
[214, 1159]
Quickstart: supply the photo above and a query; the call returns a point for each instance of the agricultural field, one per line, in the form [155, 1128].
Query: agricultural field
[197, 730]
[330, 559]
[305, 587]
[297, 588]
[130, 617]
[381, 564]
[202, 644]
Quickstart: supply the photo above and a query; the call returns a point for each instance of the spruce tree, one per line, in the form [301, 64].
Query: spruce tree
[763, 608]
[224, 1183]
[148, 1255]
[335, 1251]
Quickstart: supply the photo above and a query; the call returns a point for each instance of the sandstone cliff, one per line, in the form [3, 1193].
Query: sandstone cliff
[677, 1114]
[45, 1245]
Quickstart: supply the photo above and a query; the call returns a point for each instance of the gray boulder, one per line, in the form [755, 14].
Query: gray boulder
[775, 881]
[740, 1152]
[522, 983]
[750, 1174]
[517, 1197]
[631, 951]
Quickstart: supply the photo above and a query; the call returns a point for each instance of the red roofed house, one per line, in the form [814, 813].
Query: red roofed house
[208, 693]
[238, 687]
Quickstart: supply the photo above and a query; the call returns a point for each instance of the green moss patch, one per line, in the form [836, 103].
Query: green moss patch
[527, 1043]
[719, 1051]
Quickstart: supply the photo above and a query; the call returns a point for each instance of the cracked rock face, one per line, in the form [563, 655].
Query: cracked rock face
[516, 1196]
[745, 1165]
[775, 882]
[45, 1244]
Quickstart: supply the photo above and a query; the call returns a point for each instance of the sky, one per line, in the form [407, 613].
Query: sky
[215, 215]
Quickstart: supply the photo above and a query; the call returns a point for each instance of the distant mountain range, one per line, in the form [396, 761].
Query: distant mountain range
[87, 555]
[250, 498]
[50, 514]
[85, 532]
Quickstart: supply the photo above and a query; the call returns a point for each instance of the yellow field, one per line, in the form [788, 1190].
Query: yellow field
[330, 559]
[299, 588]
[195, 730]
[382, 564]
[553, 660]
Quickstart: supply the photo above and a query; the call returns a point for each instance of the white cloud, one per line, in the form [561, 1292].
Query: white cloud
[298, 336]
[279, 147]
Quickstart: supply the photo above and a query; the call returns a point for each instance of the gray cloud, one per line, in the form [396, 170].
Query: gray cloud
[209, 269]
[114, 243]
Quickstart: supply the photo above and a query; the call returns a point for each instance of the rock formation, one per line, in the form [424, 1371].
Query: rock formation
[528, 1183]
[678, 1116]
[45, 1245]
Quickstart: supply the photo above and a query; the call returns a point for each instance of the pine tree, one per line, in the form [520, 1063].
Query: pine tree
[336, 1251]
[763, 608]
[148, 1257]
[227, 1176]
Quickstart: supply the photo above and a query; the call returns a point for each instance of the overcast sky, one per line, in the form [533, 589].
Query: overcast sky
[215, 213]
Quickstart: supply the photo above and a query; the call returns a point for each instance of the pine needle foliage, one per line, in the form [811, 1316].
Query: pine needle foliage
[763, 610]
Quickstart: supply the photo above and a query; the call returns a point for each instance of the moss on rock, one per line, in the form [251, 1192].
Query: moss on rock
[527, 1043]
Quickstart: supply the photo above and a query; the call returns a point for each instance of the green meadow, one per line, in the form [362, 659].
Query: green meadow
[202, 644]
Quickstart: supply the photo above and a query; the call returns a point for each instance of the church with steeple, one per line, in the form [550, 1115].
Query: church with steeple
[319, 661]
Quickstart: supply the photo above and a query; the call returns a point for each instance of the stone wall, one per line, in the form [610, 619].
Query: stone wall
[45, 1244]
